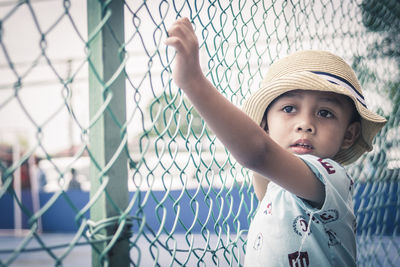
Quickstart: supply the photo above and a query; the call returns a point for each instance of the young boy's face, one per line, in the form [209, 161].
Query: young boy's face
[312, 122]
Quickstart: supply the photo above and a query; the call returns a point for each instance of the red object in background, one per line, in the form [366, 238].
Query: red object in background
[6, 158]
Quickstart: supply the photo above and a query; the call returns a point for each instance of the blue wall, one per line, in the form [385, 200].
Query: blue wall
[60, 217]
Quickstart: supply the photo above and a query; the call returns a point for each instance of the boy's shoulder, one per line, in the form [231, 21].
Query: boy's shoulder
[330, 173]
[323, 165]
[338, 183]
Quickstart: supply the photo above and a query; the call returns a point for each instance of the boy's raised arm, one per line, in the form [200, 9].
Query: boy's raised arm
[230, 124]
[247, 141]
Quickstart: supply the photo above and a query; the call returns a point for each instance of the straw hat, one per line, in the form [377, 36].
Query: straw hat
[320, 71]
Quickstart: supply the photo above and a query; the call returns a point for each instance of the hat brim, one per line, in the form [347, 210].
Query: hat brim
[371, 122]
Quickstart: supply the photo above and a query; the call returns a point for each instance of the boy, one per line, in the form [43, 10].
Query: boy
[313, 118]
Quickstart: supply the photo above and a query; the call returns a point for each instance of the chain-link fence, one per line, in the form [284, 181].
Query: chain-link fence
[96, 139]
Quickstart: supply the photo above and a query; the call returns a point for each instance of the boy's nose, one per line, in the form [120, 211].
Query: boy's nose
[305, 126]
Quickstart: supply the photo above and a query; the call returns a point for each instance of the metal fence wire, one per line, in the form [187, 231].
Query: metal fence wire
[87, 101]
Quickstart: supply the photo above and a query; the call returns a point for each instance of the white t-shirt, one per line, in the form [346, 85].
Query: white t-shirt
[287, 231]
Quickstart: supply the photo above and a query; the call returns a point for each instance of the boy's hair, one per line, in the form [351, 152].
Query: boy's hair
[317, 71]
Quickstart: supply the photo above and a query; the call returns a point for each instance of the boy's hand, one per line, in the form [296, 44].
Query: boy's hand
[187, 70]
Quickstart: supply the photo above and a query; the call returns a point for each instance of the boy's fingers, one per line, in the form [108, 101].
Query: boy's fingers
[186, 22]
[181, 36]
[187, 25]
[176, 30]
[181, 27]
[177, 44]
[173, 41]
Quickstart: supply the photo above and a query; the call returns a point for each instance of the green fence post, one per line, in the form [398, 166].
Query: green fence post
[108, 164]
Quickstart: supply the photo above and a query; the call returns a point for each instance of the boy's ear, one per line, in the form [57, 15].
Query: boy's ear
[353, 131]
[263, 123]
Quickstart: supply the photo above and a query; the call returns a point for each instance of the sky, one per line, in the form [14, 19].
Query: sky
[38, 110]
[40, 98]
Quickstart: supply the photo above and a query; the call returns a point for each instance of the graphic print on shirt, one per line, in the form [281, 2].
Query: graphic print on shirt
[351, 186]
[328, 216]
[314, 219]
[333, 241]
[328, 167]
[300, 225]
[258, 242]
[268, 210]
[299, 259]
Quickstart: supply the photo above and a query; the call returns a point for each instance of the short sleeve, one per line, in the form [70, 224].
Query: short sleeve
[338, 185]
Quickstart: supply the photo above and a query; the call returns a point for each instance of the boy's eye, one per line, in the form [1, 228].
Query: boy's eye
[325, 113]
[288, 109]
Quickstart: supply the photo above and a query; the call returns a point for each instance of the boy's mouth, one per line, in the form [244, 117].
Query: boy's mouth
[302, 146]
